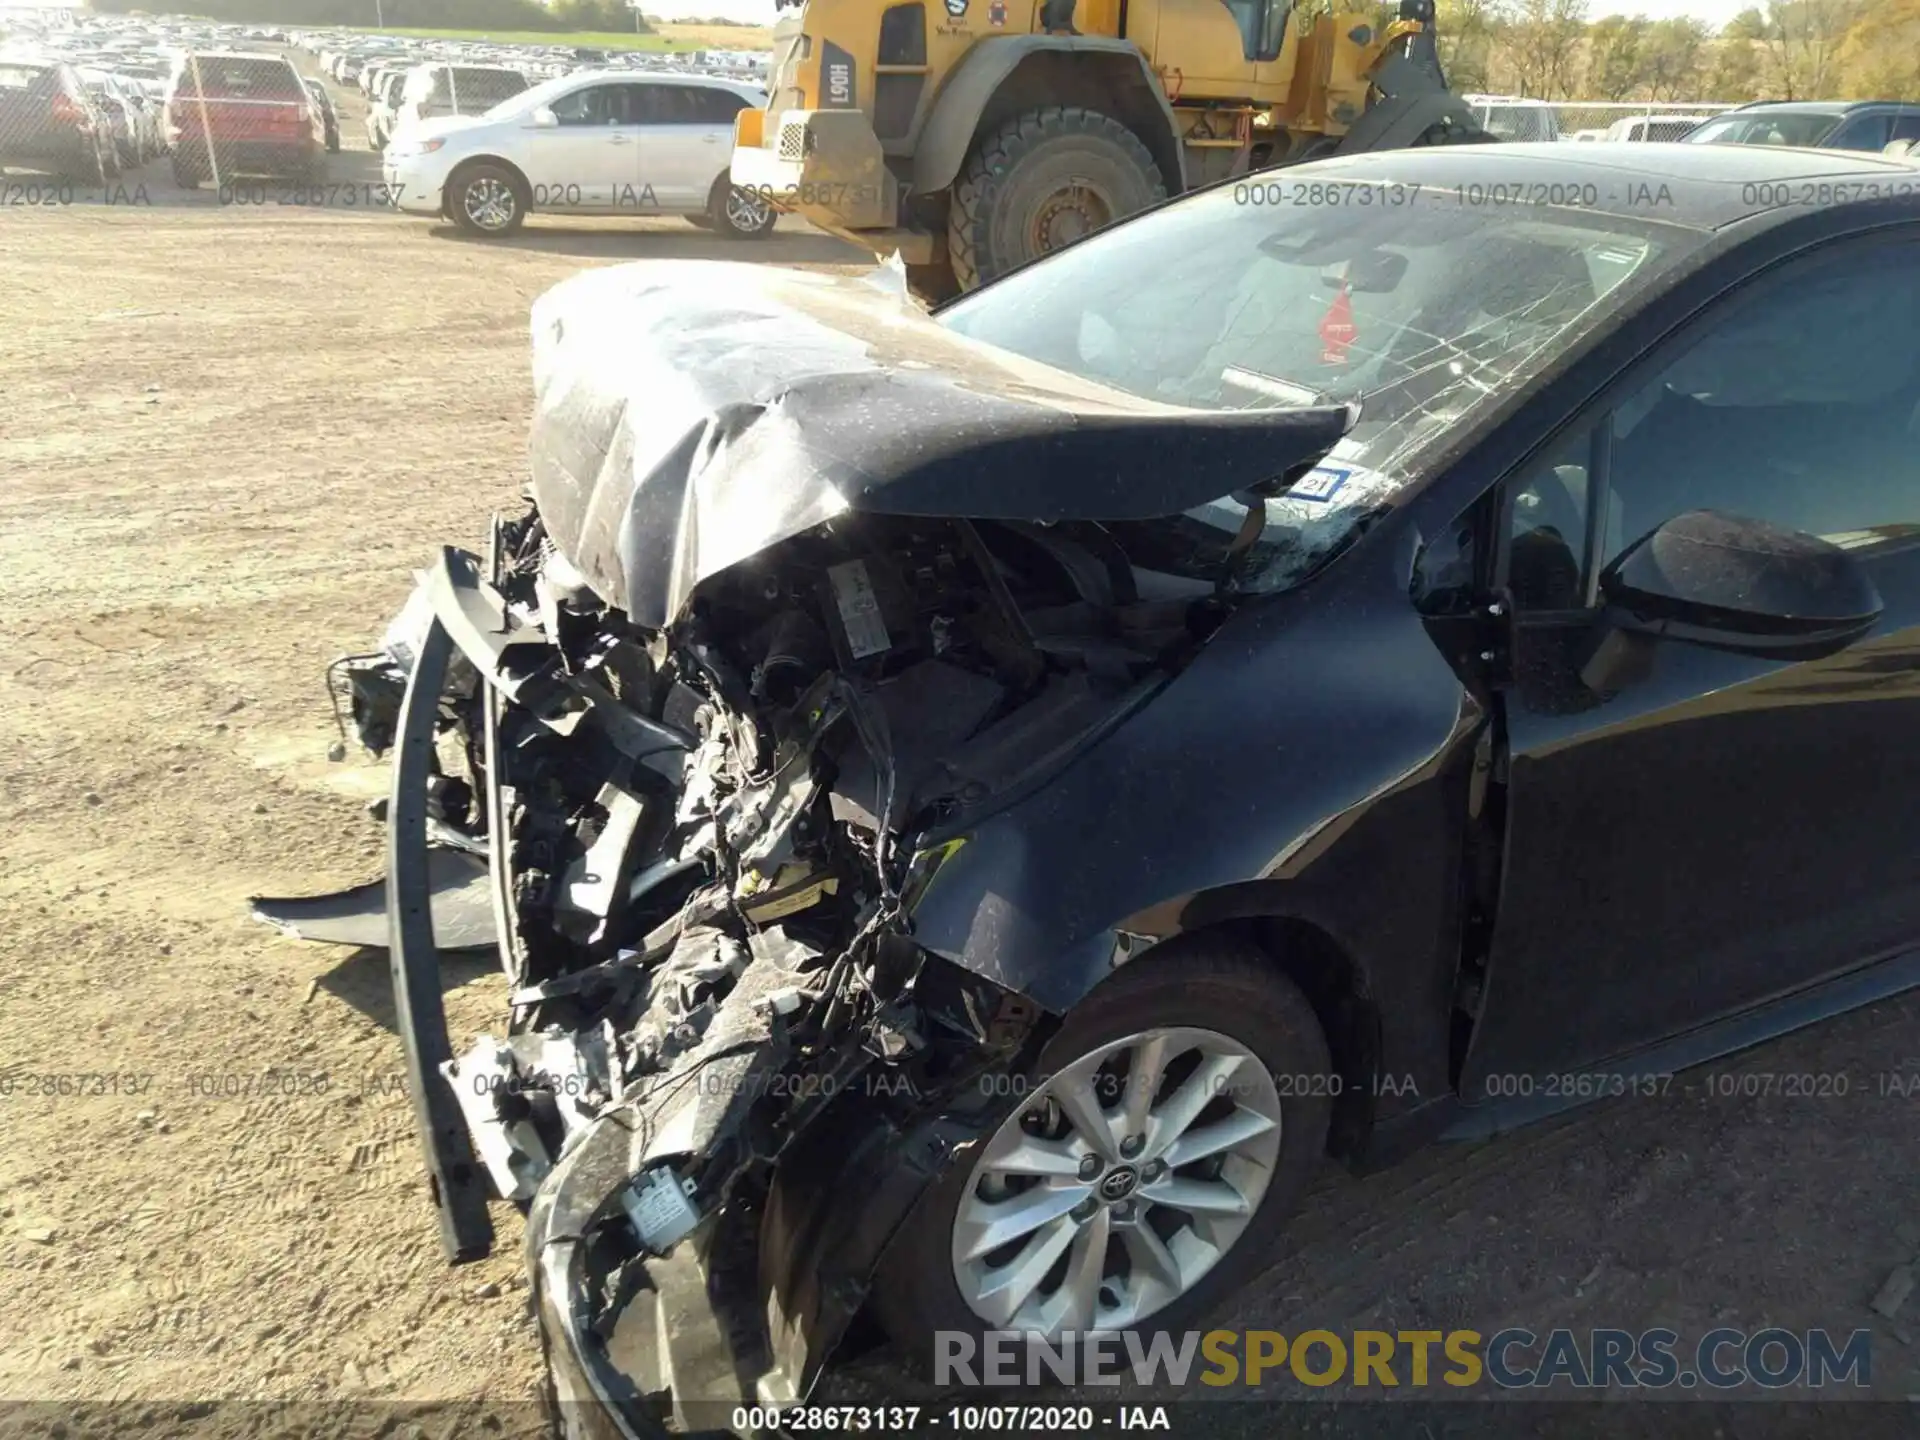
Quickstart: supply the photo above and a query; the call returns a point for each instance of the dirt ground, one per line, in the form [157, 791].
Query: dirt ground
[229, 435]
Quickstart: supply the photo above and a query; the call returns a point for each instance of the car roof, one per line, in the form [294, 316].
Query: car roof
[1702, 187]
[236, 55]
[660, 77]
[1818, 107]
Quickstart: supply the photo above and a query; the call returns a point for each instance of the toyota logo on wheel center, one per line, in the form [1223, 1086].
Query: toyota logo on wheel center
[1118, 1182]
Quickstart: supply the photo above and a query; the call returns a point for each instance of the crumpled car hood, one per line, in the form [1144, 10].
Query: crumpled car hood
[690, 414]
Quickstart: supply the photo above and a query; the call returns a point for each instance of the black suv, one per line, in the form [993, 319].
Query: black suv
[1825, 124]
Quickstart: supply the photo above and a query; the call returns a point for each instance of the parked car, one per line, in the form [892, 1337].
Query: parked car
[329, 117]
[980, 804]
[255, 113]
[49, 122]
[1652, 128]
[596, 142]
[124, 114]
[1509, 117]
[384, 105]
[434, 92]
[1829, 125]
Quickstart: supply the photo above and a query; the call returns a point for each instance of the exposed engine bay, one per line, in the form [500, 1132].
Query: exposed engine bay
[707, 839]
[817, 721]
[712, 730]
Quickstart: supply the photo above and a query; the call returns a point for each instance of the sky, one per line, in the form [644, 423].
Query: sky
[761, 12]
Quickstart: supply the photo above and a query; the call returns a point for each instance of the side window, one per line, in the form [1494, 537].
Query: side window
[1797, 403]
[593, 105]
[669, 105]
[1863, 132]
[1262, 24]
[1907, 125]
[1547, 524]
[714, 106]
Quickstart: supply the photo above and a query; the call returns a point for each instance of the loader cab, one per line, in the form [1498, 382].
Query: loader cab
[1262, 25]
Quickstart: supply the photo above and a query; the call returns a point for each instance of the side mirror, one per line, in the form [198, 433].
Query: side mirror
[1732, 584]
[543, 119]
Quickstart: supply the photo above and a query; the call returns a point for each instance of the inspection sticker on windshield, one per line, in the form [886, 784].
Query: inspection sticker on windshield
[859, 609]
[1321, 483]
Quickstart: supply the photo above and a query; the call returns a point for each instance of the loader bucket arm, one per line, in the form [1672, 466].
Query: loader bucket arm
[1411, 104]
[1421, 47]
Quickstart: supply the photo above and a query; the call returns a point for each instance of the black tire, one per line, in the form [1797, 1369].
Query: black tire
[1208, 982]
[93, 170]
[727, 210]
[502, 184]
[186, 178]
[1008, 206]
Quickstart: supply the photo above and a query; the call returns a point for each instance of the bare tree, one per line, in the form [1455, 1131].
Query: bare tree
[1613, 56]
[1671, 58]
[1880, 59]
[1546, 38]
[1803, 41]
[1469, 32]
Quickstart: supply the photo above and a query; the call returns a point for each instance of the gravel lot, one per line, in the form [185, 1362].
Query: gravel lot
[231, 432]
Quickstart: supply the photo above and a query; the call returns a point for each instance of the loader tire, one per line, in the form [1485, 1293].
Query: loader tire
[1043, 180]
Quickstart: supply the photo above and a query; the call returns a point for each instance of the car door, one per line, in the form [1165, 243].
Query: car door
[687, 142]
[576, 164]
[1730, 827]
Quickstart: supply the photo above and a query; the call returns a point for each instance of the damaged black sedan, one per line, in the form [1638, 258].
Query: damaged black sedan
[974, 808]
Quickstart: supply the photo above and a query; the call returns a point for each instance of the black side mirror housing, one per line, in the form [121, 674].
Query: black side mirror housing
[1730, 583]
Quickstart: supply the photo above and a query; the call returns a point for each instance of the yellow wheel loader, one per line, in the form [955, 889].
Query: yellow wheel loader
[971, 136]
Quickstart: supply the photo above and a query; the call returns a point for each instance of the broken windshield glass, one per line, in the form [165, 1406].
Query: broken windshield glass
[1411, 303]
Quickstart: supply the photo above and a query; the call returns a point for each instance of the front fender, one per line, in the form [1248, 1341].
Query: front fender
[944, 136]
[1309, 763]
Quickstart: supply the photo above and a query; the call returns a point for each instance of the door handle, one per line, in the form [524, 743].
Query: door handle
[618, 140]
[709, 139]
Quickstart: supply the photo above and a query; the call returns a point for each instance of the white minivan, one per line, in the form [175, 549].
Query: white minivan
[595, 142]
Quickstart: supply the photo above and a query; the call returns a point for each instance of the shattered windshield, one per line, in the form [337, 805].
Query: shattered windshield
[1403, 299]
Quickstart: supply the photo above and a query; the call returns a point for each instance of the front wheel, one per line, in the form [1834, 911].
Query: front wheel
[1171, 1126]
[739, 215]
[1042, 181]
[487, 199]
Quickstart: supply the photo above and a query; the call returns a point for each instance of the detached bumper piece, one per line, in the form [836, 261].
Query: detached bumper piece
[728, 1074]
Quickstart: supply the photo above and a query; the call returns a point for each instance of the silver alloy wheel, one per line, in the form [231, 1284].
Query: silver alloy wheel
[744, 212]
[1118, 1183]
[489, 203]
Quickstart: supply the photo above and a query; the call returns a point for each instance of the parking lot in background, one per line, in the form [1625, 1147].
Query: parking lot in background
[232, 432]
